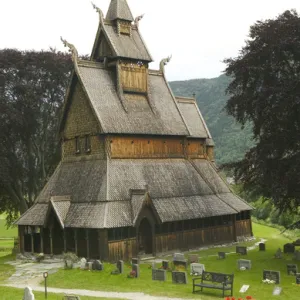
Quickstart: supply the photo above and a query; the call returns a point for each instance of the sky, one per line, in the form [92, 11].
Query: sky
[198, 34]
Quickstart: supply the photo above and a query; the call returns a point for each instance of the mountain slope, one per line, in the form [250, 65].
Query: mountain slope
[230, 140]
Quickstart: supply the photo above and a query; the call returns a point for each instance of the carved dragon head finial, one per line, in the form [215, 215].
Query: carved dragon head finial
[99, 11]
[72, 49]
[137, 20]
[163, 62]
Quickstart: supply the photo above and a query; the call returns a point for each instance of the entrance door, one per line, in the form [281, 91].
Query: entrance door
[145, 237]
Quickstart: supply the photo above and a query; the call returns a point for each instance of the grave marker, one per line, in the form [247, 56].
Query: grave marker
[180, 264]
[165, 264]
[136, 268]
[197, 269]
[97, 265]
[278, 253]
[244, 263]
[272, 275]
[298, 278]
[28, 294]
[71, 297]
[159, 274]
[83, 263]
[244, 288]
[135, 261]
[289, 248]
[193, 258]
[179, 277]
[262, 246]
[178, 257]
[120, 266]
[292, 269]
[241, 250]
[297, 255]
[277, 290]
[222, 255]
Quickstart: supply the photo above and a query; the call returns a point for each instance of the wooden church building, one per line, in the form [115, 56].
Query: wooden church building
[137, 174]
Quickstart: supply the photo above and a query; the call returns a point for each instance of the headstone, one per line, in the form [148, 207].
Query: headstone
[197, 269]
[272, 275]
[278, 253]
[136, 268]
[71, 297]
[241, 250]
[97, 265]
[298, 278]
[28, 294]
[83, 263]
[289, 248]
[262, 246]
[193, 258]
[244, 264]
[178, 257]
[180, 264]
[153, 265]
[222, 255]
[159, 274]
[297, 255]
[277, 290]
[165, 264]
[179, 277]
[120, 266]
[244, 288]
[135, 261]
[292, 269]
[89, 265]
[297, 242]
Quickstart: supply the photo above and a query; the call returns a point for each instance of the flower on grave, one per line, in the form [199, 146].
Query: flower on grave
[132, 274]
[242, 268]
[249, 297]
[240, 299]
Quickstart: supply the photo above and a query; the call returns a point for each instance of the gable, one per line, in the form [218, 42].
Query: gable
[102, 47]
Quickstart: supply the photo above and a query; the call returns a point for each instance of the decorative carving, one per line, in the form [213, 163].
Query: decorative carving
[72, 49]
[137, 20]
[163, 62]
[99, 11]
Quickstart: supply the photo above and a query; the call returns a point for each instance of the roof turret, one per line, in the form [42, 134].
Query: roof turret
[119, 9]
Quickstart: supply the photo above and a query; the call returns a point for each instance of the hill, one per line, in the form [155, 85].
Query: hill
[230, 140]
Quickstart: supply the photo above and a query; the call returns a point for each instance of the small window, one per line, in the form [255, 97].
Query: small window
[87, 145]
[77, 144]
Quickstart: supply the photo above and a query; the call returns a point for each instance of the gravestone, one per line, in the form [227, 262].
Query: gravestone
[193, 258]
[135, 261]
[222, 255]
[289, 248]
[272, 275]
[298, 278]
[197, 269]
[179, 277]
[244, 288]
[71, 297]
[28, 294]
[97, 265]
[297, 255]
[262, 246]
[136, 268]
[277, 290]
[165, 264]
[153, 265]
[292, 269]
[89, 265]
[297, 242]
[120, 266]
[278, 253]
[159, 274]
[244, 263]
[178, 257]
[83, 263]
[180, 264]
[241, 250]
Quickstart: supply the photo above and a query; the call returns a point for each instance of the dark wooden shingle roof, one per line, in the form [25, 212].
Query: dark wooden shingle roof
[119, 9]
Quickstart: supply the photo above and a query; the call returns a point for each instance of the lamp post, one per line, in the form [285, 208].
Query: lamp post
[45, 275]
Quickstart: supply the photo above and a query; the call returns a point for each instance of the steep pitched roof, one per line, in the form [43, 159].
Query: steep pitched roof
[119, 9]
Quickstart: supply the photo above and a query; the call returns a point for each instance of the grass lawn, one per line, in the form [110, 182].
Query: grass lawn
[7, 233]
[260, 260]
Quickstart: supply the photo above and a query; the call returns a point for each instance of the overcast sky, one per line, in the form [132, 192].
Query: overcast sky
[199, 34]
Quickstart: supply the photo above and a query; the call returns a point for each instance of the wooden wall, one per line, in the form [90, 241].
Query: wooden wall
[124, 249]
[243, 228]
[133, 78]
[195, 148]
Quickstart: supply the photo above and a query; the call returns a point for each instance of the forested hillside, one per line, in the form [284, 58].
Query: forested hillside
[230, 140]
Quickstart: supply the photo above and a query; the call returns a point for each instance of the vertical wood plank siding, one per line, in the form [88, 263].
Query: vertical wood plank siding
[195, 149]
[125, 249]
[134, 78]
[243, 228]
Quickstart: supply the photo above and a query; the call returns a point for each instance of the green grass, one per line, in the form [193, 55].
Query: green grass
[8, 293]
[260, 260]
[7, 233]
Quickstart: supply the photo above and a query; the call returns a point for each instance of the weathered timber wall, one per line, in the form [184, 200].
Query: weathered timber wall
[103, 49]
[195, 149]
[130, 147]
[193, 238]
[210, 152]
[243, 228]
[133, 77]
[125, 249]
[80, 119]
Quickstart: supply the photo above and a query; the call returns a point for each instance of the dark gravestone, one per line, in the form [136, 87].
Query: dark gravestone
[135, 261]
[298, 278]
[222, 255]
[165, 264]
[120, 266]
[179, 277]
[262, 246]
[244, 264]
[272, 275]
[297, 255]
[241, 250]
[97, 265]
[288, 248]
[193, 258]
[292, 269]
[136, 269]
[159, 274]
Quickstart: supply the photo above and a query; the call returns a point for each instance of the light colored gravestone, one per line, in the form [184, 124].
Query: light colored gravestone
[292, 269]
[120, 266]
[136, 269]
[244, 288]
[197, 269]
[241, 250]
[178, 257]
[179, 277]
[159, 274]
[83, 263]
[278, 253]
[97, 265]
[244, 264]
[89, 265]
[272, 275]
[28, 294]
[193, 258]
[277, 290]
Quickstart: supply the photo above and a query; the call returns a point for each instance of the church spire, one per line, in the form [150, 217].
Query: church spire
[119, 9]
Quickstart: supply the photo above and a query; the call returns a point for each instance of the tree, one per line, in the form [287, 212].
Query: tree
[32, 89]
[265, 91]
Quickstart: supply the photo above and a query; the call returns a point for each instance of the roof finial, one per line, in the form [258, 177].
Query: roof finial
[137, 20]
[72, 49]
[99, 11]
[163, 62]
